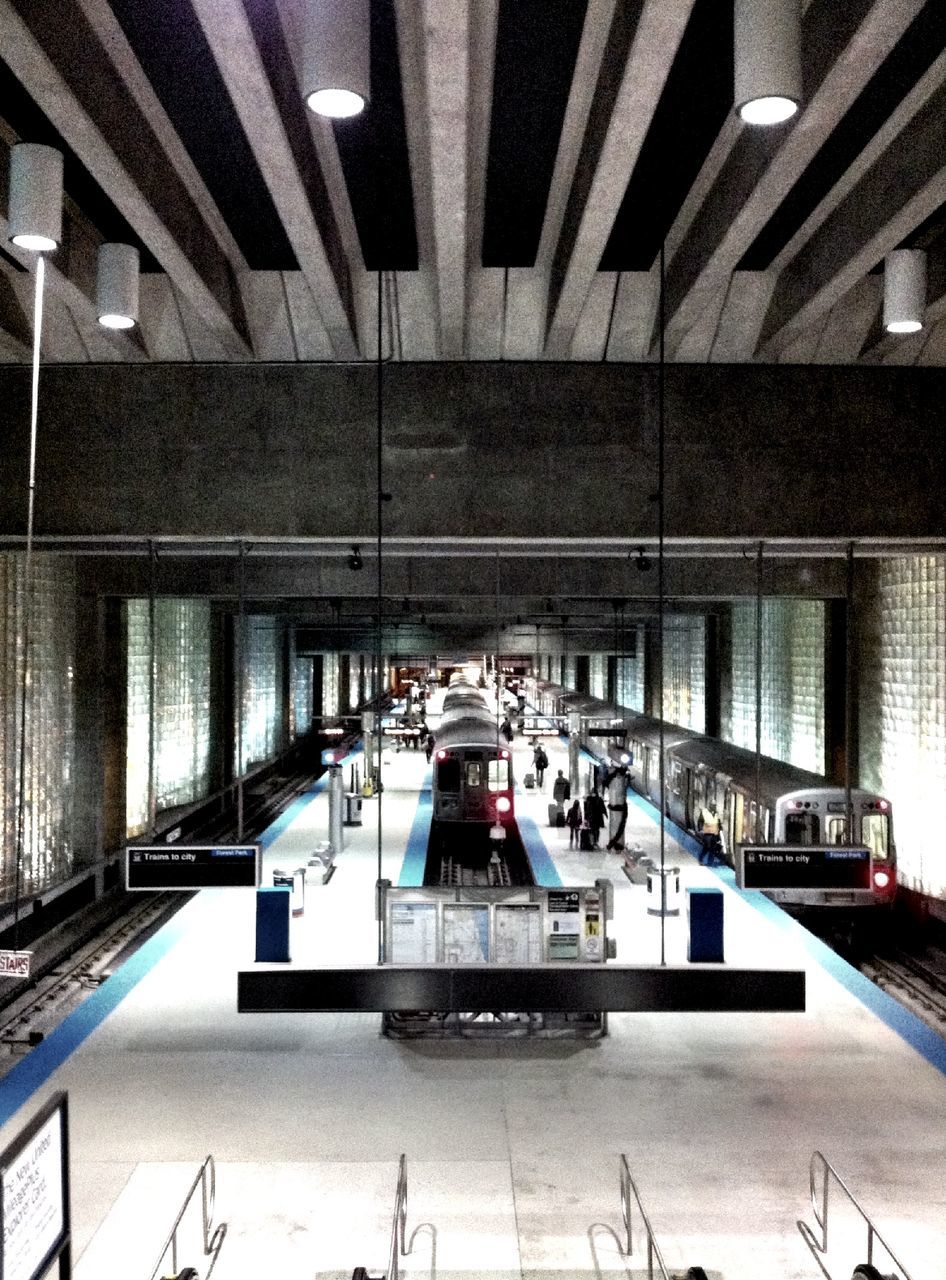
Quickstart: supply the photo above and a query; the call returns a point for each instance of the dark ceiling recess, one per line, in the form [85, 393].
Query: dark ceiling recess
[536, 48]
[692, 109]
[919, 46]
[373, 151]
[171, 46]
[30, 124]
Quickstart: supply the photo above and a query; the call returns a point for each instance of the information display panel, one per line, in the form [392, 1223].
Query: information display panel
[162, 867]
[787, 866]
[465, 933]
[34, 1218]
[413, 933]
[518, 935]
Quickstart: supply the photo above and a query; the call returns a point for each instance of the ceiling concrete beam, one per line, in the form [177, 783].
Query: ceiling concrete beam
[66, 70]
[849, 322]
[899, 191]
[585, 230]
[742, 316]
[324, 266]
[764, 165]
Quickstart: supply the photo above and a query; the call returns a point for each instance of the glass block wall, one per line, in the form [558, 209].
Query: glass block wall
[354, 681]
[684, 673]
[568, 672]
[793, 639]
[630, 680]
[598, 675]
[301, 696]
[330, 684]
[50, 721]
[262, 705]
[182, 706]
[903, 712]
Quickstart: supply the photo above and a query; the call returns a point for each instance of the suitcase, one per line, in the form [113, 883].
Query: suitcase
[560, 818]
[584, 838]
[529, 781]
[556, 816]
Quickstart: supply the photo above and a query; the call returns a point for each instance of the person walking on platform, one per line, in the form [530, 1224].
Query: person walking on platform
[573, 820]
[708, 828]
[541, 763]
[429, 745]
[561, 790]
[506, 729]
[595, 815]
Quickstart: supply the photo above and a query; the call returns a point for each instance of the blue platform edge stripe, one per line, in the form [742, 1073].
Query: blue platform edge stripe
[31, 1073]
[928, 1043]
[415, 855]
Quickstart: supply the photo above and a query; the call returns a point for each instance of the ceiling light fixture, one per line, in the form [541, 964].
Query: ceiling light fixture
[116, 286]
[35, 207]
[904, 290]
[768, 84]
[336, 57]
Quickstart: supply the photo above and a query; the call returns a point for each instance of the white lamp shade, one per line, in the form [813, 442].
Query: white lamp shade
[336, 56]
[35, 209]
[904, 290]
[116, 286]
[768, 84]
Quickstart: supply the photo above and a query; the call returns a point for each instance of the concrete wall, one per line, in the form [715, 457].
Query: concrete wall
[510, 449]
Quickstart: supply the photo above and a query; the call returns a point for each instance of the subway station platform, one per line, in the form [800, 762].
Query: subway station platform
[512, 1147]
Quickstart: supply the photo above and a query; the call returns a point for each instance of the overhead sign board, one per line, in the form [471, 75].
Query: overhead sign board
[34, 1168]
[194, 866]
[790, 866]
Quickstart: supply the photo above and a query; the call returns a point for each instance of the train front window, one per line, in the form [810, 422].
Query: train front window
[801, 828]
[499, 775]
[448, 775]
[474, 773]
[875, 833]
[836, 830]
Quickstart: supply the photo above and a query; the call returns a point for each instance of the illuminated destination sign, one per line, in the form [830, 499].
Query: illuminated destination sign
[35, 1204]
[195, 866]
[790, 866]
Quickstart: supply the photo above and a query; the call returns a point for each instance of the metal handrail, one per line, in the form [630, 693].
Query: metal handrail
[213, 1236]
[820, 1173]
[399, 1225]
[653, 1250]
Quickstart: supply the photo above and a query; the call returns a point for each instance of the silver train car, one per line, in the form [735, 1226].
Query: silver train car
[795, 806]
[472, 775]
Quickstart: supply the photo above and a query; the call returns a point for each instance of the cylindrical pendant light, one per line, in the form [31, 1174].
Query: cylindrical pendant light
[35, 209]
[904, 290]
[116, 286]
[768, 86]
[336, 56]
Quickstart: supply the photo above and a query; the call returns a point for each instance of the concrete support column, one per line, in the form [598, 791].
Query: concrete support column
[284, 685]
[91, 688]
[574, 754]
[712, 681]
[652, 682]
[835, 684]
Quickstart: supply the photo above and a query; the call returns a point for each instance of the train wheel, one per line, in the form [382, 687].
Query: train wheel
[866, 1271]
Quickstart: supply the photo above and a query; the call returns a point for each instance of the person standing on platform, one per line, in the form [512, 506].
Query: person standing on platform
[429, 745]
[708, 828]
[541, 763]
[561, 789]
[573, 820]
[506, 729]
[595, 815]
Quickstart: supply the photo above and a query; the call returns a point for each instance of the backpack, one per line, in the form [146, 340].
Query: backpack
[541, 759]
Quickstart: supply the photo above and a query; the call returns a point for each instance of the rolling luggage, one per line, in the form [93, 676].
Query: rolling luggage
[529, 781]
[556, 815]
[584, 838]
[560, 817]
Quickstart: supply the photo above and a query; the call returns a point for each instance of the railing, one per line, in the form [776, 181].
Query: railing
[628, 1188]
[820, 1176]
[213, 1237]
[399, 1245]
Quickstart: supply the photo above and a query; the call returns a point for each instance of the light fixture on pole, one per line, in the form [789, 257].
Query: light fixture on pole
[336, 56]
[116, 286]
[35, 208]
[904, 290]
[768, 85]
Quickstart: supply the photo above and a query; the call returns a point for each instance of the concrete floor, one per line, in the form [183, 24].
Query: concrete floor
[512, 1148]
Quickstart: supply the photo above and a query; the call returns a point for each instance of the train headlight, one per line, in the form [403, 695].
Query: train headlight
[441, 755]
[504, 754]
[881, 879]
[503, 804]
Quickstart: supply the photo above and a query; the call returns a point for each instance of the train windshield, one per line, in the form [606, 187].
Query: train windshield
[875, 833]
[448, 775]
[801, 828]
[836, 830]
[499, 775]
[474, 773]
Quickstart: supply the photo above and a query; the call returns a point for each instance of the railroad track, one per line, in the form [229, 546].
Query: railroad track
[918, 982]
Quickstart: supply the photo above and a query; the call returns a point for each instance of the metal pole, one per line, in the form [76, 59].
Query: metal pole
[759, 834]
[239, 684]
[660, 599]
[379, 406]
[152, 686]
[848, 690]
[27, 591]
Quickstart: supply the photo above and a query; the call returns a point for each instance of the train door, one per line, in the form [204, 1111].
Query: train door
[801, 827]
[737, 815]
